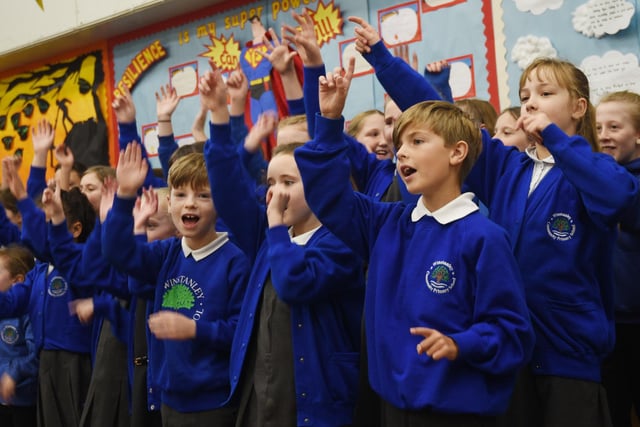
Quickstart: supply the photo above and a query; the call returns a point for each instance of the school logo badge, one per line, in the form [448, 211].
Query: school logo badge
[561, 227]
[184, 293]
[57, 287]
[9, 334]
[441, 277]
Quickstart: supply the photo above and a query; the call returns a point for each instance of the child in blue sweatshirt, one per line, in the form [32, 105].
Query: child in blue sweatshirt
[199, 282]
[18, 354]
[618, 125]
[446, 322]
[294, 359]
[559, 202]
[62, 342]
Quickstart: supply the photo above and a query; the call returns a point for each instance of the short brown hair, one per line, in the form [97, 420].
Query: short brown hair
[189, 169]
[19, 259]
[447, 121]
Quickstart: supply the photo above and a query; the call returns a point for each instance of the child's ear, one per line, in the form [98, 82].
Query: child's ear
[579, 108]
[458, 153]
[76, 229]
[18, 278]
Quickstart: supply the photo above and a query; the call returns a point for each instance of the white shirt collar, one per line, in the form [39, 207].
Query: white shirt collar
[303, 238]
[206, 250]
[531, 152]
[458, 208]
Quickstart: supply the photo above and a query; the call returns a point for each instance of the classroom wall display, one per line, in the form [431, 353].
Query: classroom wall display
[487, 43]
[70, 93]
[600, 36]
[230, 37]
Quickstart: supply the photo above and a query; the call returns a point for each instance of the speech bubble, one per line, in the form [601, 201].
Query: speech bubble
[537, 7]
[599, 17]
[612, 72]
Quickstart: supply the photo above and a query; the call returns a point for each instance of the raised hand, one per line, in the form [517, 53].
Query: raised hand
[52, 205]
[402, 52]
[146, 206]
[213, 95]
[166, 102]
[278, 53]
[366, 35]
[14, 182]
[437, 66]
[334, 88]
[64, 156]
[124, 108]
[304, 39]
[237, 87]
[131, 170]
[108, 193]
[262, 128]
[42, 136]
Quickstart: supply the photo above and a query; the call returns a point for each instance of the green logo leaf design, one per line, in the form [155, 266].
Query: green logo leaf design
[179, 296]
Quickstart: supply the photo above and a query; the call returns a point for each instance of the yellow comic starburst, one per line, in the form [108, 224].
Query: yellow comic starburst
[328, 22]
[225, 53]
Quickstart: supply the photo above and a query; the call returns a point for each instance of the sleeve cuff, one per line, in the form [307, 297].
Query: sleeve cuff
[123, 206]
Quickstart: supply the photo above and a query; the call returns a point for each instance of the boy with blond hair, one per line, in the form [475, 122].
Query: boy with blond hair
[200, 280]
[446, 322]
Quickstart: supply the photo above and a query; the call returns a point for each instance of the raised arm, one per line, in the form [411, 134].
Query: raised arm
[307, 47]
[119, 245]
[393, 73]
[42, 137]
[325, 168]
[167, 101]
[232, 193]
[125, 111]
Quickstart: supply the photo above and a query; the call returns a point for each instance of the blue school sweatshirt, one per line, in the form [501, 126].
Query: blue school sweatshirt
[322, 282]
[19, 359]
[457, 276]
[194, 373]
[626, 267]
[45, 296]
[46, 293]
[563, 236]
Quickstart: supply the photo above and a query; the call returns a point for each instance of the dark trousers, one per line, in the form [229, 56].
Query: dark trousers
[18, 416]
[221, 417]
[394, 417]
[621, 375]
[63, 381]
[549, 401]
